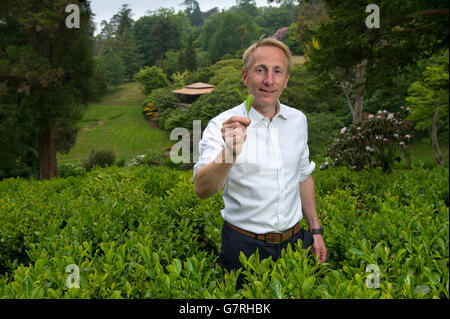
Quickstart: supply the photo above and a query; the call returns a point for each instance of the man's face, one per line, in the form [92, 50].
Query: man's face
[267, 76]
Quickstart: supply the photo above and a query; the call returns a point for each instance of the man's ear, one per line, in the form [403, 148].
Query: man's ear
[244, 77]
[287, 80]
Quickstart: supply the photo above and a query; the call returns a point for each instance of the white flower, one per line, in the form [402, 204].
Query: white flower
[408, 136]
[390, 116]
[343, 130]
[395, 135]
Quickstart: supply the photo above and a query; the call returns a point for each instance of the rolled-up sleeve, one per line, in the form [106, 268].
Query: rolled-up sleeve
[210, 145]
[305, 166]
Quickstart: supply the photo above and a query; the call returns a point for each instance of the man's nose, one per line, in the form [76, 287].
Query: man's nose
[268, 79]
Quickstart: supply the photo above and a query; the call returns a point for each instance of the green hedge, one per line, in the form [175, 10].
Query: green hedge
[141, 232]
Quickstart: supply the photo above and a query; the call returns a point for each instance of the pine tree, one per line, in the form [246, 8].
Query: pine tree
[181, 61]
[45, 70]
[191, 56]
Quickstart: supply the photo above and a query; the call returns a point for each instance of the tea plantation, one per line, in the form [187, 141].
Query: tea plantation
[142, 232]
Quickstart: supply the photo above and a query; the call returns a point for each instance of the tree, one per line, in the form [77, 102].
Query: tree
[181, 61]
[193, 12]
[191, 56]
[248, 6]
[113, 68]
[358, 59]
[228, 32]
[123, 21]
[156, 34]
[45, 70]
[428, 99]
[272, 18]
[151, 78]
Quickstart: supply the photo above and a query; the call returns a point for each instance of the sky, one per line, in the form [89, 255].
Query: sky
[105, 9]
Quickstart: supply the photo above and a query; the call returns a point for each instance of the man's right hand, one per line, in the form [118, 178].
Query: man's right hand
[234, 133]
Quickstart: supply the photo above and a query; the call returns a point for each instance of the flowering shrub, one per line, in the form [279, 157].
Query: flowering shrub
[279, 34]
[376, 141]
[149, 109]
[137, 161]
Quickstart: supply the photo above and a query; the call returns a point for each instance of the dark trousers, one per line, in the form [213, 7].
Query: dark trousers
[233, 242]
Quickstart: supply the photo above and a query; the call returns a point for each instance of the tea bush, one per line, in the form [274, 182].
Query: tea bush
[141, 232]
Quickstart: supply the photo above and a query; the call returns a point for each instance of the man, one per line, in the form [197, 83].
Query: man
[266, 195]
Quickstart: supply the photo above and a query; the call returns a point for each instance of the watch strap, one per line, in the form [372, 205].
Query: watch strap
[316, 231]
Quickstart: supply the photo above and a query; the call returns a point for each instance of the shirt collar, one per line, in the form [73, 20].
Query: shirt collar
[256, 117]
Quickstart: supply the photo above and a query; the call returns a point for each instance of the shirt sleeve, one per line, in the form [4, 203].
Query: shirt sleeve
[210, 145]
[306, 167]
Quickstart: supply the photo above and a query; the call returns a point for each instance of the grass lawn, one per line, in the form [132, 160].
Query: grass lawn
[421, 153]
[298, 59]
[116, 123]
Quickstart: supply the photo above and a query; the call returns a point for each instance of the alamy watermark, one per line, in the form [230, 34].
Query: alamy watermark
[73, 19]
[373, 280]
[73, 279]
[259, 147]
[373, 19]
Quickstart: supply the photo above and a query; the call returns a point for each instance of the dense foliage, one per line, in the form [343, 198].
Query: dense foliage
[151, 78]
[142, 232]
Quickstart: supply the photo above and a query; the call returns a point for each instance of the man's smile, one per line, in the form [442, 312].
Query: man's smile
[265, 91]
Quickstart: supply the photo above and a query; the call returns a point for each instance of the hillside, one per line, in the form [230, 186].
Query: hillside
[116, 123]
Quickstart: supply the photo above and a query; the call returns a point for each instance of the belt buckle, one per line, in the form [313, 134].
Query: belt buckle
[273, 242]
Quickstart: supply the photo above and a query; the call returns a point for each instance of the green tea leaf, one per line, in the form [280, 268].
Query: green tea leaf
[27, 287]
[249, 103]
[239, 94]
[275, 289]
[177, 266]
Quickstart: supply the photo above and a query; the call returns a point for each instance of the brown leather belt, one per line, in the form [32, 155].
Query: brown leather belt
[272, 237]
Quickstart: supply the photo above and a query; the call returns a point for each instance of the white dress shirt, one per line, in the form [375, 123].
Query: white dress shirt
[261, 191]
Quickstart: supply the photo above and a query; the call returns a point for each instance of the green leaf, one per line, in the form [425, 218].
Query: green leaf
[249, 103]
[177, 266]
[307, 285]
[27, 287]
[239, 94]
[275, 289]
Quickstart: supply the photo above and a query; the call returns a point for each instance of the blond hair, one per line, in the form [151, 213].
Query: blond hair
[246, 57]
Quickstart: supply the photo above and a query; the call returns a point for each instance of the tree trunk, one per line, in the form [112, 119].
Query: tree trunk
[47, 153]
[352, 86]
[434, 140]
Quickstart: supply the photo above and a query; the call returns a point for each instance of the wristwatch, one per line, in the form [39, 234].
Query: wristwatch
[316, 231]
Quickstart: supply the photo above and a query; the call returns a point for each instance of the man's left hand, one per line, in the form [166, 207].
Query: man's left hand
[319, 248]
